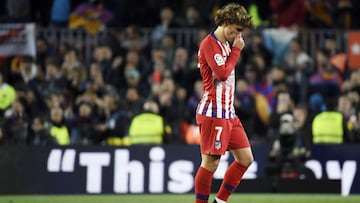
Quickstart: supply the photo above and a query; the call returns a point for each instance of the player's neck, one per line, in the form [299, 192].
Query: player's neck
[219, 33]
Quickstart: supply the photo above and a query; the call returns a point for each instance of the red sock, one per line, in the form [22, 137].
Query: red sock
[232, 178]
[203, 180]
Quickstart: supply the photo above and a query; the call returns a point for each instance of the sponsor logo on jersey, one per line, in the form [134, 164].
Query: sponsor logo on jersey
[219, 59]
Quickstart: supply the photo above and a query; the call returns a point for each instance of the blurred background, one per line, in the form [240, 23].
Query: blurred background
[104, 76]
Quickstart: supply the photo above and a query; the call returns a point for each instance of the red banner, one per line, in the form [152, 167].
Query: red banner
[354, 50]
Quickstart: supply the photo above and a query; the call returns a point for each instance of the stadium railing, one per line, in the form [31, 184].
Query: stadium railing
[311, 39]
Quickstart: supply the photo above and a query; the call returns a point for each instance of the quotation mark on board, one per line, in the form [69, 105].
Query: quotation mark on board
[61, 162]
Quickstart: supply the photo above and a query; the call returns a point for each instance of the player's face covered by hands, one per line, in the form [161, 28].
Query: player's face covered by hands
[232, 31]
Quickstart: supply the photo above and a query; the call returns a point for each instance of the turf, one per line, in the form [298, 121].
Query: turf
[166, 198]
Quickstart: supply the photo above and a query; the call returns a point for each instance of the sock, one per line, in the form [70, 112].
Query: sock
[219, 200]
[203, 180]
[232, 178]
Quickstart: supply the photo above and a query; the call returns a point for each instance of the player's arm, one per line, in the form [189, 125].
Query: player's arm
[220, 67]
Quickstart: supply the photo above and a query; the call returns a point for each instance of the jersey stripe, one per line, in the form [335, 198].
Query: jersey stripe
[231, 102]
[217, 100]
[221, 89]
[202, 107]
[209, 112]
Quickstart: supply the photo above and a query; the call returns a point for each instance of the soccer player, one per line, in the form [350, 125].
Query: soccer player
[220, 128]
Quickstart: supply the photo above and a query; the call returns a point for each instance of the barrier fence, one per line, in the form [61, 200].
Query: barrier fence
[311, 40]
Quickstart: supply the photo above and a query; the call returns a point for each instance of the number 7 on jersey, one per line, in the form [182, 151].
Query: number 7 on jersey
[217, 139]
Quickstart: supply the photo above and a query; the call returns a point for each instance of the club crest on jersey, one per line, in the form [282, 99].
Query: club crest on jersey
[217, 145]
[219, 59]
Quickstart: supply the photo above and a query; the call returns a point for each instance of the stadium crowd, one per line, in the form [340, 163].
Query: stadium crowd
[136, 91]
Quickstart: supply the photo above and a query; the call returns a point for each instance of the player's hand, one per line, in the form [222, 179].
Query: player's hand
[239, 42]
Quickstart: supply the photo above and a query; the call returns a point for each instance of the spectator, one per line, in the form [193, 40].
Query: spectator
[331, 47]
[330, 126]
[104, 67]
[326, 81]
[70, 61]
[192, 74]
[289, 131]
[96, 77]
[182, 116]
[83, 126]
[76, 78]
[346, 105]
[133, 102]
[38, 85]
[284, 106]
[298, 66]
[245, 107]
[192, 18]
[180, 66]
[148, 127]
[133, 39]
[43, 51]
[278, 78]
[259, 83]
[34, 106]
[260, 86]
[7, 95]
[159, 71]
[16, 123]
[59, 130]
[114, 122]
[352, 83]
[285, 159]
[133, 81]
[61, 49]
[22, 70]
[167, 21]
[194, 99]
[55, 82]
[303, 121]
[256, 46]
[41, 133]
[28, 72]
[137, 60]
[91, 94]
[168, 45]
[189, 130]
[168, 103]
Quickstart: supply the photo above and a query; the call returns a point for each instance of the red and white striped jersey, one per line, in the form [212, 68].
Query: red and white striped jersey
[217, 63]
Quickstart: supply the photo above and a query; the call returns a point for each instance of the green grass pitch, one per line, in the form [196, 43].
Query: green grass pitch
[187, 198]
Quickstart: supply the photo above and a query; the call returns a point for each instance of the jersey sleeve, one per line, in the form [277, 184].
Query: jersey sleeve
[214, 57]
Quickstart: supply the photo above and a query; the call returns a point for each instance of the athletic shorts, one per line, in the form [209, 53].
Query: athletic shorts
[217, 135]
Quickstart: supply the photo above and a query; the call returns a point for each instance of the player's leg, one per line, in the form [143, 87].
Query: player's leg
[213, 144]
[240, 148]
[233, 175]
[204, 176]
